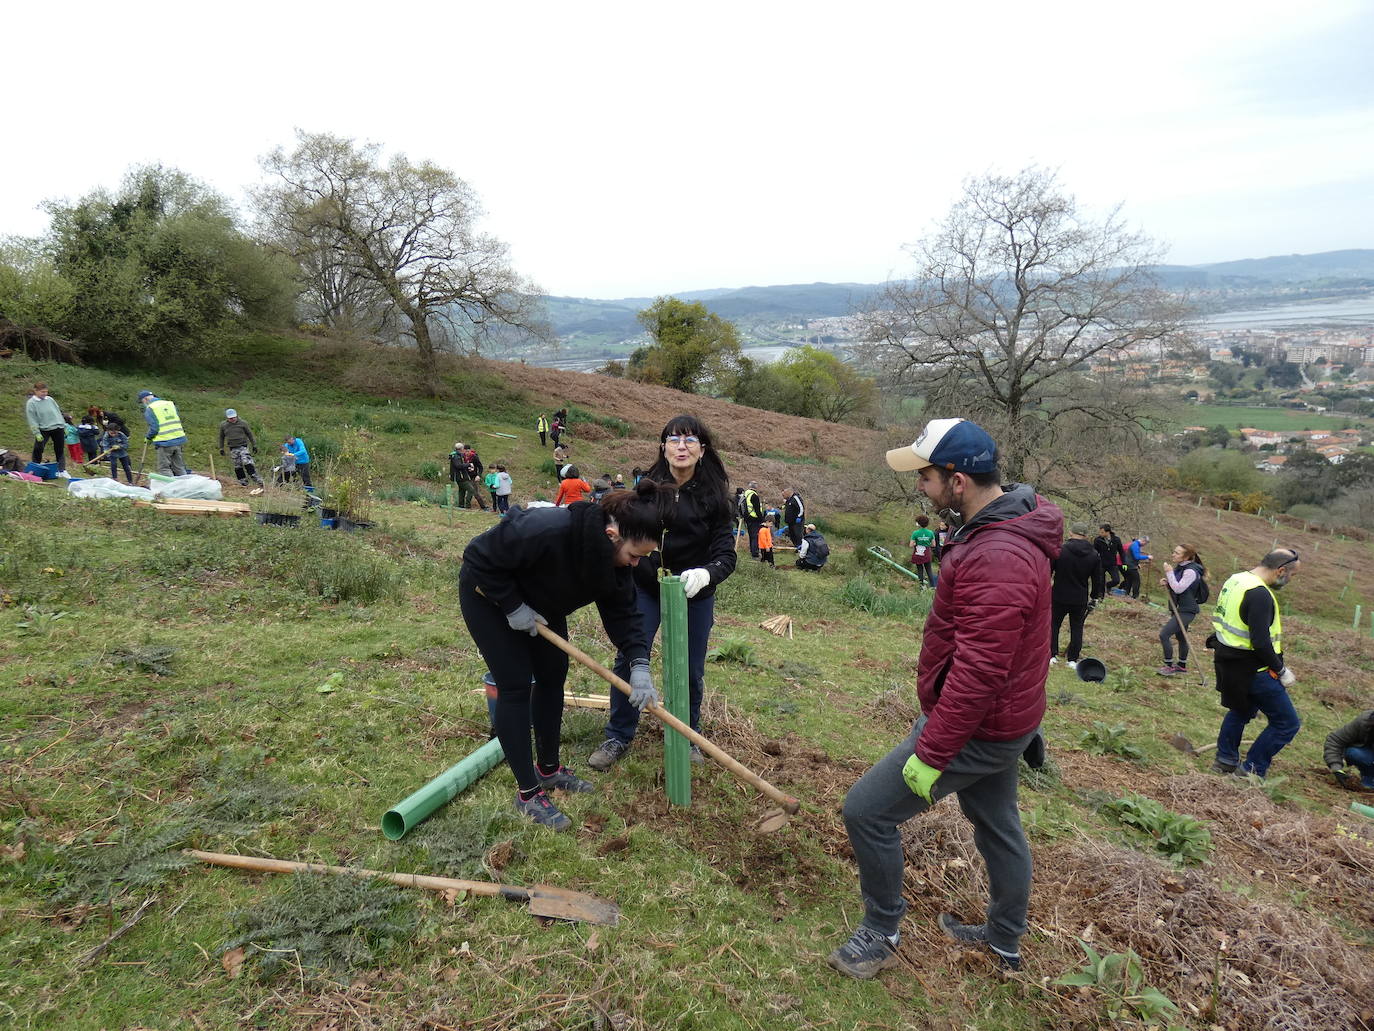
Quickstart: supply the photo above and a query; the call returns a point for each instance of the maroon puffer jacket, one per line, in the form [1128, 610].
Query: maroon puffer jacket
[985, 653]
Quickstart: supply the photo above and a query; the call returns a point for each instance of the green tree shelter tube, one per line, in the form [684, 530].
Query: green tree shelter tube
[677, 764]
[414, 809]
[1362, 809]
[879, 554]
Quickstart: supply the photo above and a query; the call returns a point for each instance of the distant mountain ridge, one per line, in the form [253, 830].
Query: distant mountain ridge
[613, 320]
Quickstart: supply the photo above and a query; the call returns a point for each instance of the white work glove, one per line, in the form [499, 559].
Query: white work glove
[1286, 678]
[524, 618]
[693, 580]
[642, 695]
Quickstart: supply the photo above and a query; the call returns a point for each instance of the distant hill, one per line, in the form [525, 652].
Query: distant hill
[759, 309]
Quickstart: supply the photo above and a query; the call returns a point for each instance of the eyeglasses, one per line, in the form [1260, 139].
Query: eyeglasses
[677, 438]
[1290, 561]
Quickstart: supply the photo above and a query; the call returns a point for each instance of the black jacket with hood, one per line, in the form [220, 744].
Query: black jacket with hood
[556, 560]
[696, 536]
[1075, 571]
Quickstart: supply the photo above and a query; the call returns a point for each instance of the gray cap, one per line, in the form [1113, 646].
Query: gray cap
[1079, 529]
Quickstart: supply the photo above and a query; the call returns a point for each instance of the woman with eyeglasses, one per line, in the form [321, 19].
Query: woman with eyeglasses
[698, 545]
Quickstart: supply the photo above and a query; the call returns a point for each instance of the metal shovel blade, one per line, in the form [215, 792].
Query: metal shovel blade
[562, 904]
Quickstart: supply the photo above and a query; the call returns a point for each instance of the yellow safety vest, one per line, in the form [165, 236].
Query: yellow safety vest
[1230, 628]
[543, 425]
[168, 421]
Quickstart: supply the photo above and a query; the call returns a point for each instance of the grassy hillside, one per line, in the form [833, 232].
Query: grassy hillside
[229, 686]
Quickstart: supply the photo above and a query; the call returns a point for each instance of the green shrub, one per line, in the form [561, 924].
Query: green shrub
[733, 649]
[333, 924]
[1119, 979]
[431, 471]
[400, 427]
[348, 575]
[1182, 838]
[858, 592]
[619, 427]
[1105, 740]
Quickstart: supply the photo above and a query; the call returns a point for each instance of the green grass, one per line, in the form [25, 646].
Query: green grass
[1235, 416]
[165, 693]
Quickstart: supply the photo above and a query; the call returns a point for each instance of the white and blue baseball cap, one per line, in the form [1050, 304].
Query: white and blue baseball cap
[956, 445]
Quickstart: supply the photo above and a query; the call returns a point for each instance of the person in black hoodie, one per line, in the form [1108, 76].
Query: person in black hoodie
[698, 546]
[1185, 580]
[793, 516]
[1076, 570]
[559, 559]
[1109, 548]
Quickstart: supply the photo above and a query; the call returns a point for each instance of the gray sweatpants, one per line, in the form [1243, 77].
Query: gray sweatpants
[983, 775]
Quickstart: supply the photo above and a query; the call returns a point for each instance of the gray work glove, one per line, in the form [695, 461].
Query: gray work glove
[524, 618]
[642, 693]
[1286, 678]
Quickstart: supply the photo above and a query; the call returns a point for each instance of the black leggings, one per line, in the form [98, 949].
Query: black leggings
[1130, 581]
[513, 657]
[923, 573]
[1170, 631]
[58, 438]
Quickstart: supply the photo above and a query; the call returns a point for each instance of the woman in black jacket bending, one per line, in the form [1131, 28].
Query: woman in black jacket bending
[698, 546]
[558, 559]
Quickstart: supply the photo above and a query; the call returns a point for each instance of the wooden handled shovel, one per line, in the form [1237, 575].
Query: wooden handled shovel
[740, 771]
[544, 899]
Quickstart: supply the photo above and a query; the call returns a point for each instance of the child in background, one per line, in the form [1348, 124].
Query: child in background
[492, 481]
[766, 544]
[572, 488]
[88, 432]
[116, 446]
[287, 470]
[73, 440]
[503, 489]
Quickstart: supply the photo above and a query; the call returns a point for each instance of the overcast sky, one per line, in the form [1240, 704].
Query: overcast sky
[630, 149]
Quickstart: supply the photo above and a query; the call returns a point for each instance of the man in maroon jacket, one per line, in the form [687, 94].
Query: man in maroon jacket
[985, 656]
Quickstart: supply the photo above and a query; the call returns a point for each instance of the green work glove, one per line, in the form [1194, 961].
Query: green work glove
[919, 777]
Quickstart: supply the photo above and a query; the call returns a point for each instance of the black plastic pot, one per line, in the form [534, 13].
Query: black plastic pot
[344, 523]
[277, 519]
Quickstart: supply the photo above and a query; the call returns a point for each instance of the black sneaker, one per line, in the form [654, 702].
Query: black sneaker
[867, 952]
[976, 936]
[562, 779]
[1224, 769]
[608, 754]
[542, 811]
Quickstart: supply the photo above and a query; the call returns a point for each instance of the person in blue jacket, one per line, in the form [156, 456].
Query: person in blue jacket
[297, 448]
[1130, 571]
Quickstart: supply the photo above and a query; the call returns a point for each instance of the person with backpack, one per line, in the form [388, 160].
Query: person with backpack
[1185, 578]
[813, 551]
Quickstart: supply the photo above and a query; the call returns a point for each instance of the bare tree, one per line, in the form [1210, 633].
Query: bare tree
[410, 230]
[1016, 298]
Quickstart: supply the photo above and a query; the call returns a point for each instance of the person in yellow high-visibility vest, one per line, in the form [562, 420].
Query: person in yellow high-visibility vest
[1252, 677]
[165, 433]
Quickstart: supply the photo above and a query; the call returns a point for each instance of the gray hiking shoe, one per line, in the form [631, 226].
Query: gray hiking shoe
[562, 779]
[608, 754]
[867, 952]
[975, 936]
[542, 811]
[694, 754]
[1223, 768]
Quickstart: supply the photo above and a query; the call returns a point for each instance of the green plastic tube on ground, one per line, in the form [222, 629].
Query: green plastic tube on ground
[677, 764]
[1362, 809]
[900, 568]
[414, 809]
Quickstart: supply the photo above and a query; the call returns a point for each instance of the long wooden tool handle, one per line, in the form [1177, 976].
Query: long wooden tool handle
[717, 753]
[405, 880]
